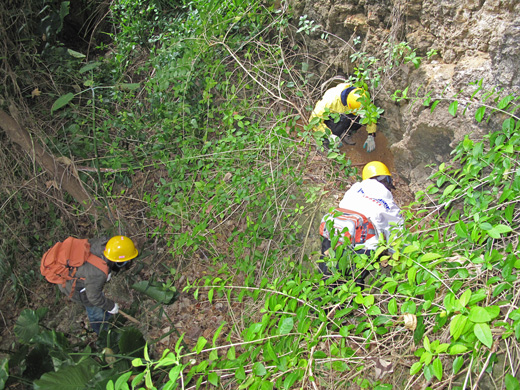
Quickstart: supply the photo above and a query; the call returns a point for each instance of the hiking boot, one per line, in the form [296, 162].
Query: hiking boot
[348, 140]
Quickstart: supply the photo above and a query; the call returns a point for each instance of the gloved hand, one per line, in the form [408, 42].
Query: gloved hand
[115, 310]
[335, 141]
[370, 143]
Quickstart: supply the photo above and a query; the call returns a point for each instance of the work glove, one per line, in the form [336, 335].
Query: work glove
[115, 310]
[370, 143]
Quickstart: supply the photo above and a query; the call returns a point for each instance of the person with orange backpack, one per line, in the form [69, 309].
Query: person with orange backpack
[81, 267]
[366, 214]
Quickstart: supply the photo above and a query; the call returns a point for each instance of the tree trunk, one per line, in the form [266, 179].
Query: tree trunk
[65, 176]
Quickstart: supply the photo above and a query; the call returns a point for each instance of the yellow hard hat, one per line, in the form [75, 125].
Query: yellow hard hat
[352, 98]
[375, 168]
[120, 249]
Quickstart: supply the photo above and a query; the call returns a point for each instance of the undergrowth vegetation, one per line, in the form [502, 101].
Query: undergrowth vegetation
[195, 114]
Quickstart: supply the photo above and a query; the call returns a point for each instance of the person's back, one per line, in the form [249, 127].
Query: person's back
[372, 199]
[86, 285]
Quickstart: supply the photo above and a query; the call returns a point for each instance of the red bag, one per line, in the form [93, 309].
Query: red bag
[347, 223]
[60, 263]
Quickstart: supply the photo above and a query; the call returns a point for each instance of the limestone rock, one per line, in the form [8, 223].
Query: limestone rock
[475, 39]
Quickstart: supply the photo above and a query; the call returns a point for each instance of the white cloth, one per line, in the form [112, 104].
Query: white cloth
[115, 310]
[372, 199]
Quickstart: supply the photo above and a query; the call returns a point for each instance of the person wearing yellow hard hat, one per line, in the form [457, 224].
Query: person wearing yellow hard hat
[372, 204]
[343, 99]
[104, 257]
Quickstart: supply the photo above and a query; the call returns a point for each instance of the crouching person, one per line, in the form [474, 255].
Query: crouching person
[366, 214]
[81, 268]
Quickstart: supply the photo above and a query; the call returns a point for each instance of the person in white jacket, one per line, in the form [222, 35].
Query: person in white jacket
[372, 198]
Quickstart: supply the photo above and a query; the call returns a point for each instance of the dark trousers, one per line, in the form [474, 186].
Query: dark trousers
[325, 246]
[98, 318]
[347, 122]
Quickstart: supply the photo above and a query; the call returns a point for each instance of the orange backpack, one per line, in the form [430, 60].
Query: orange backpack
[348, 223]
[60, 263]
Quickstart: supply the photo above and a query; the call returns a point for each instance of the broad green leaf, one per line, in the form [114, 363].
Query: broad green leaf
[217, 332]
[428, 372]
[426, 357]
[213, 355]
[465, 297]
[374, 311]
[137, 379]
[479, 115]
[384, 386]
[70, 377]
[62, 101]
[426, 344]
[434, 104]
[75, 54]
[449, 302]
[511, 382]
[429, 257]
[479, 314]
[483, 333]
[442, 348]
[156, 290]
[339, 365]
[231, 354]
[4, 372]
[240, 373]
[210, 296]
[411, 275]
[493, 233]
[319, 355]
[493, 311]
[390, 286]
[131, 341]
[457, 364]
[508, 125]
[290, 379]
[416, 367]
[267, 385]
[457, 325]
[486, 226]
[269, 353]
[502, 228]
[515, 315]
[501, 288]
[392, 307]
[368, 300]
[26, 326]
[174, 373]
[137, 362]
[461, 229]
[453, 108]
[449, 189]
[411, 248]
[213, 378]
[437, 368]
[505, 101]
[252, 331]
[286, 325]
[92, 65]
[201, 343]
[344, 331]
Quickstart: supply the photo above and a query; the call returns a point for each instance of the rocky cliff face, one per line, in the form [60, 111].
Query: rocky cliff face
[475, 39]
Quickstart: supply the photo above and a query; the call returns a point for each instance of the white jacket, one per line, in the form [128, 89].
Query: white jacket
[372, 199]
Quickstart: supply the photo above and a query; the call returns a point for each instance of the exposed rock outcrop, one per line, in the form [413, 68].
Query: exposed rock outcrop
[475, 39]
